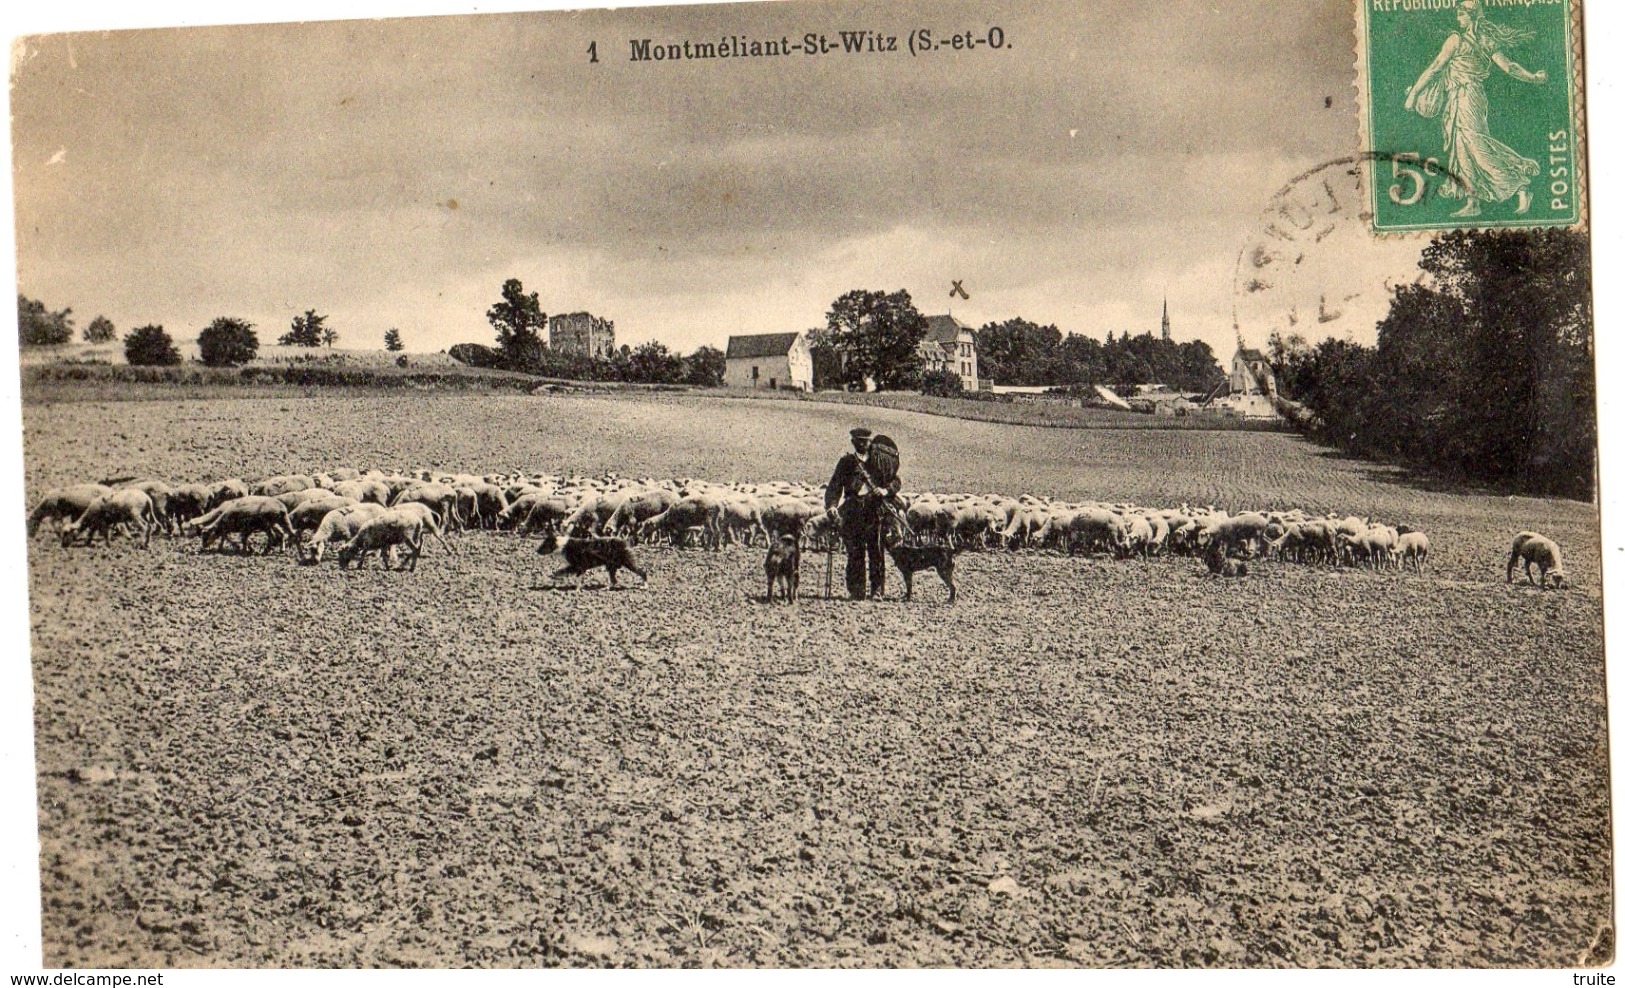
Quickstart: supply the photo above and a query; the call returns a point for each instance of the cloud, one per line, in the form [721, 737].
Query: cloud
[397, 171]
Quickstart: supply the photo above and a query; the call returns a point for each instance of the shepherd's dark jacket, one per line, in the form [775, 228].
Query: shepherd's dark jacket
[849, 477]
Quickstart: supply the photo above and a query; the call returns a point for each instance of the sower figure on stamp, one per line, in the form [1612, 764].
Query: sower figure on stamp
[1452, 89]
[856, 493]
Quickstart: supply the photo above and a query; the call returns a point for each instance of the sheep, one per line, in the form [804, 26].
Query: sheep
[1242, 532]
[1413, 549]
[160, 493]
[1534, 549]
[64, 504]
[226, 490]
[130, 506]
[339, 525]
[309, 515]
[373, 491]
[186, 502]
[431, 522]
[439, 497]
[383, 533]
[698, 511]
[282, 484]
[636, 510]
[243, 517]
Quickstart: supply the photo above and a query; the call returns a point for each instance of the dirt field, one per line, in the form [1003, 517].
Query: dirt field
[244, 762]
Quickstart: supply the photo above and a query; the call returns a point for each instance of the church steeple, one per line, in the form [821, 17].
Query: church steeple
[1167, 331]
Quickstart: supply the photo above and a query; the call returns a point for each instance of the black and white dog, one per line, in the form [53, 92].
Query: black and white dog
[584, 554]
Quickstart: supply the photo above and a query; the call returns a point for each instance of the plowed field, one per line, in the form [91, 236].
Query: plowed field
[245, 762]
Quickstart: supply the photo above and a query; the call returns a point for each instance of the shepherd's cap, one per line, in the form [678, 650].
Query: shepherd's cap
[861, 433]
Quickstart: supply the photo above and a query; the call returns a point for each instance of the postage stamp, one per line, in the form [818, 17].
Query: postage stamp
[1469, 113]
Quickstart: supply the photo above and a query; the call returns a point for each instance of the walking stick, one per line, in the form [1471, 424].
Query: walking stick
[829, 570]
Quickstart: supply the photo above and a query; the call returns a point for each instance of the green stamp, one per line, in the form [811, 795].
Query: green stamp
[1469, 113]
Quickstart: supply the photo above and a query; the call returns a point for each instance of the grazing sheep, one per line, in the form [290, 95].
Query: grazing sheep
[186, 502]
[64, 504]
[160, 493]
[243, 517]
[365, 491]
[127, 507]
[282, 484]
[783, 568]
[584, 554]
[699, 511]
[431, 523]
[226, 490]
[309, 515]
[439, 497]
[382, 534]
[1534, 549]
[339, 525]
[1413, 549]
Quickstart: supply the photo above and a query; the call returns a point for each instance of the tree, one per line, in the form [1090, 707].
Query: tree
[877, 336]
[100, 330]
[1483, 372]
[652, 363]
[392, 341]
[150, 346]
[1018, 352]
[38, 327]
[306, 330]
[330, 336]
[705, 367]
[228, 342]
[519, 321]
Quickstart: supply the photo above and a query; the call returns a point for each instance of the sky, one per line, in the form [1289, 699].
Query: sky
[394, 173]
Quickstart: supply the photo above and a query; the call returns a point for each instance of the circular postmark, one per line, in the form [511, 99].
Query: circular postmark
[1312, 267]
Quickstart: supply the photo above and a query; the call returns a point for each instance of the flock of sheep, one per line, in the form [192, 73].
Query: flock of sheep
[362, 513]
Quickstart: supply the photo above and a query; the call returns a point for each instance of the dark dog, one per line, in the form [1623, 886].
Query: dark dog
[1219, 564]
[910, 559]
[584, 554]
[784, 569]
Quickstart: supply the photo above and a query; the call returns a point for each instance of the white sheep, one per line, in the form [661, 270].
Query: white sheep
[1535, 549]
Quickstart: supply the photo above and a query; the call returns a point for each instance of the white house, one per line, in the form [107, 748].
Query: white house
[769, 360]
[950, 345]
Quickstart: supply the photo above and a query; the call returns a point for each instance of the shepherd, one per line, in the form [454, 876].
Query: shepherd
[856, 495]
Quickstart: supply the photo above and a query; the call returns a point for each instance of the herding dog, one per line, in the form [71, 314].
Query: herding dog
[910, 559]
[584, 554]
[784, 569]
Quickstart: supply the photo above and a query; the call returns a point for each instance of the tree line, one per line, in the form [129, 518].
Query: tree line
[1483, 371]
[225, 342]
[1019, 352]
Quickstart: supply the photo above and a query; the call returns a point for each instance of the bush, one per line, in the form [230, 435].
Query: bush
[228, 342]
[38, 326]
[100, 330]
[941, 383]
[150, 346]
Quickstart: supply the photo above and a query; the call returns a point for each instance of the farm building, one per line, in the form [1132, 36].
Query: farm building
[1249, 390]
[950, 345]
[581, 333]
[769, 360]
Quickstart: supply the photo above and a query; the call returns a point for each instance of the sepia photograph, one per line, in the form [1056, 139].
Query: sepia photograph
[810, 484]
